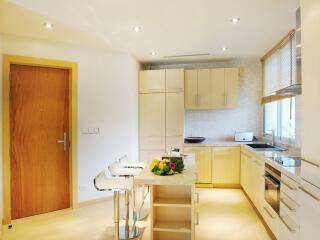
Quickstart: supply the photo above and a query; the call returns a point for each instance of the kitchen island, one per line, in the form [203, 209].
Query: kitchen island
[172, 199]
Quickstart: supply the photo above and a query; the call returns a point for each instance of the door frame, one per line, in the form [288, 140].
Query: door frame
[73, 113]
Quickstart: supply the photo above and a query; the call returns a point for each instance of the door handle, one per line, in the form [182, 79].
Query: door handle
[64, 141]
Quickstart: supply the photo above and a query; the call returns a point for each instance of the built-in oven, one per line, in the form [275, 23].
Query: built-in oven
[272, 187]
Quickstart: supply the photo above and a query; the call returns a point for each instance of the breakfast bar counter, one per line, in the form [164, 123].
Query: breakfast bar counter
[172, 200]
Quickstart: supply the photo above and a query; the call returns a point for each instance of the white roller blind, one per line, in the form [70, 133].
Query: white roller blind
[278, 68]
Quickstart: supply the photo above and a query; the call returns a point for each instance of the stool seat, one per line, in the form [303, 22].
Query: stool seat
[103, 181]
[117, 169]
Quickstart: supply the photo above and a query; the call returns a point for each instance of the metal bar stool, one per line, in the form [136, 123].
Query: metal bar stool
[119, 179]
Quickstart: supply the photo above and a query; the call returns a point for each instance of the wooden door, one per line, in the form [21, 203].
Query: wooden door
[152, 81]
[226, 165]
[191, 89]
[218, 94]
[152, 121]
[174, 120]
[203, 162]
[231, 85]
[204, 89]
[174, 80]
[39, 100]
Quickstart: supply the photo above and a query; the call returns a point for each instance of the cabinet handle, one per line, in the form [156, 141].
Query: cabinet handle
[312, 163]
[286, 184]
[197, 197]
[266, 209]
[197, 218]
[286, 224]
[308, 193]
[225, 99]
[287, 205]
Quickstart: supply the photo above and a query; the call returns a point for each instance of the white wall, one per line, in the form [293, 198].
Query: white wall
[108, 83]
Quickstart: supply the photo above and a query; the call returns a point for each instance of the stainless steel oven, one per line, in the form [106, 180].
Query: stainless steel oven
[272, 187]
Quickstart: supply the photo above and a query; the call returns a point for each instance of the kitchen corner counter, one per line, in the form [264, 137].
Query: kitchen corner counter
[266, 156]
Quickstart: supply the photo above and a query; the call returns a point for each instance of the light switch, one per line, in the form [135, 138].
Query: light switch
[91, 131]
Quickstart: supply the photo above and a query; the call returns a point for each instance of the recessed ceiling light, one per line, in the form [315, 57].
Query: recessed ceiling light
[153, 53]
[235, 20]
[224, 49]
[48, 25]
[136, 28]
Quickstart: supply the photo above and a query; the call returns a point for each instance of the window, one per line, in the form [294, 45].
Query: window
[280, 117]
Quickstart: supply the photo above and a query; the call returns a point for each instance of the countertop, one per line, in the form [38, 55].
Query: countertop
[266, 156]
[187, 177]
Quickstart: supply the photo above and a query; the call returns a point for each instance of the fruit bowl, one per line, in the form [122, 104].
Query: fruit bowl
[167, 166]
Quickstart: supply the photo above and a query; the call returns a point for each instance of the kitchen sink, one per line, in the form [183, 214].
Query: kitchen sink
[265, 147]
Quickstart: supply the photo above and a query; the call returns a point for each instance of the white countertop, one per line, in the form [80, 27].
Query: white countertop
[187, 177]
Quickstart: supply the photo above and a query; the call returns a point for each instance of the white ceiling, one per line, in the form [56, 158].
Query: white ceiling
[175, 27]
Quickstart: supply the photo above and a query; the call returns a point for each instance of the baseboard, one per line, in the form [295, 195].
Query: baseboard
[94, 201]
[270, 233]
[226, 185]
[204, 185]
[218, 185]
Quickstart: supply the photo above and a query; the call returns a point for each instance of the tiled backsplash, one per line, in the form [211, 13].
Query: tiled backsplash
[222, 124]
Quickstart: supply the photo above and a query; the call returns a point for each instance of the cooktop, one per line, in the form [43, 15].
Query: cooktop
[287, 161]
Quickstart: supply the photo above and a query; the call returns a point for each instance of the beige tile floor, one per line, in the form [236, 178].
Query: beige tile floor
[224, 214]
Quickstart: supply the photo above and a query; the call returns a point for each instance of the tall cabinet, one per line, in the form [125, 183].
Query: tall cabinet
[161, 111]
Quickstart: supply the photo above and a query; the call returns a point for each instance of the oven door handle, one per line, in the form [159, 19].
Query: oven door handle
[269, 179]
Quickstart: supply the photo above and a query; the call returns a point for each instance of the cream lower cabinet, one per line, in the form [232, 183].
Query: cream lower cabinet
[203, 162]
[226, 165]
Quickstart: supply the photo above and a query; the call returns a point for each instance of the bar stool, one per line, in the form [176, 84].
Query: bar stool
[119, 179]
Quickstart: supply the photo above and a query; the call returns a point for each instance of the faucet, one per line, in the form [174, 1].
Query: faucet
[273, 137]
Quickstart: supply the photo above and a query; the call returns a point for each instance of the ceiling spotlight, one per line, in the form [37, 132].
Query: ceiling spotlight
[153, 53]
[224, 49]
[235, 20]
[136, 28]
[48, 25]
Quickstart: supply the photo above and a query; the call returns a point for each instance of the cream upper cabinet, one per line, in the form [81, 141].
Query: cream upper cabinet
[218, 93]
[203, 162]
[174, 80]
[226, 165]
[191, 89]
[151, 81]
[204, 89]
[152, 121]
[174, 120]
[231, 86]
[211, 88]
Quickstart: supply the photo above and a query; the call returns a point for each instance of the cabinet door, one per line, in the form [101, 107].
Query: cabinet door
[310, 211]
[244, 172]
[152, 121]
[226, 165]
[191, 89]
[203, 162]
[174, 80]
[231, 86]
[151, 81]
[204, 89]
[218, 96]
[174, 120]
